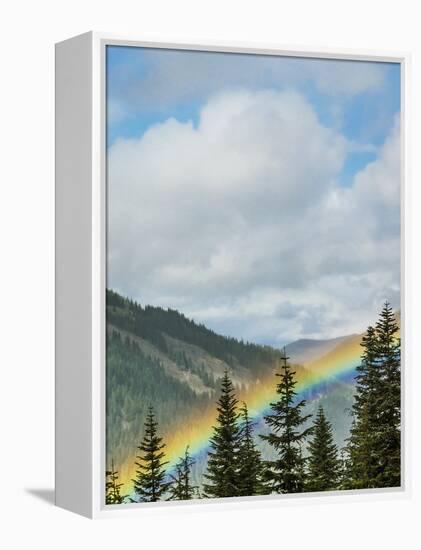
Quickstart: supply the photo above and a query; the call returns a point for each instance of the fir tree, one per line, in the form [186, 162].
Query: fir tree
[222, 474]
[323, 463]
[374, 442]
[150, 484]
[181, 487]
[250, 468]
[286, 473]
[362, 443]
[389, 440]
[112, 487]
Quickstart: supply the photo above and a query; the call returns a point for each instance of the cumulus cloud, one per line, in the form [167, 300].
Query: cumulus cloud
[238, 221]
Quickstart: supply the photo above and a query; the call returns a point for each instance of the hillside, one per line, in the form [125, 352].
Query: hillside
[181, 345]
[160, 357]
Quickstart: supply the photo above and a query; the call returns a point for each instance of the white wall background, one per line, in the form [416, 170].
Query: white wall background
[28, 32]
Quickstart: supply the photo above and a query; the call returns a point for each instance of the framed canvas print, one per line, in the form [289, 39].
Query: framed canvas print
[229, 275]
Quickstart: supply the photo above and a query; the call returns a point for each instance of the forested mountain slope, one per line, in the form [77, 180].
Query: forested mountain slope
[159, 357]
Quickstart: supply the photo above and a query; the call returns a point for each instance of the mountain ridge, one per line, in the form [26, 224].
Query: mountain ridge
[304, 350]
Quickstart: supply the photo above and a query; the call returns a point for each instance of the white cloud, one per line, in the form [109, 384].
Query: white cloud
[239, 221]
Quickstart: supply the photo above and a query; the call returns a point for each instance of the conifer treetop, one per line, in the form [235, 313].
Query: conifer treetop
[149, 483]
[222, 471]
[287, 434]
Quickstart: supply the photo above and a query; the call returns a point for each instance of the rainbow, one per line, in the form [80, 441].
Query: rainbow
[338, 365]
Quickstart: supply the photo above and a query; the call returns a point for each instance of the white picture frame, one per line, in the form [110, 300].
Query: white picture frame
[81, 272]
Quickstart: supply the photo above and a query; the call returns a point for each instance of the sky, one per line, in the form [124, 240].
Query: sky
[259, 195]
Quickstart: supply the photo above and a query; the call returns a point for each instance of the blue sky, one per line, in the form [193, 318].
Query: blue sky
[364, 117]
[339, 120]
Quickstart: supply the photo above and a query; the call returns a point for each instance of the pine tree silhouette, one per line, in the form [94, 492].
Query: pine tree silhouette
[222, 469]
[112, 487]
[389, 441]
[150, 484]
[363, 440]
[181, 487]
[286, 473]
[374, 443]
[250, 467]
[323, 463]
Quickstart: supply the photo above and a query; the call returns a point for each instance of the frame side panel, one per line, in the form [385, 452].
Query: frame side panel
[73, 82]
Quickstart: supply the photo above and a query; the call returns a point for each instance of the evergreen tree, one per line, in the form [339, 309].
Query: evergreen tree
[374, 442]
[222, 471]
[250, 468]
[363, 441]
[389, 358]
[286, 473]
[181, 487]
[112, 487]
[323, 463]
[150, 484]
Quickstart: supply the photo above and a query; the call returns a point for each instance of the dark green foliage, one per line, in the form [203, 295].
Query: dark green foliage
[250, 468]
[152, 323]
[389, 357]
[181, 487]
[150, 484]
[222, 476]
[133, 380]
[374, 444]
[323, 463]
[363, 461]
[286, 473]
[112, 487]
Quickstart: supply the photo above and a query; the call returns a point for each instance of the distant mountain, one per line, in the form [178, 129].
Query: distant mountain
[304, 350]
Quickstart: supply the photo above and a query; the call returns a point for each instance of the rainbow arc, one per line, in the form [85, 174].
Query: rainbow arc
[336, 366]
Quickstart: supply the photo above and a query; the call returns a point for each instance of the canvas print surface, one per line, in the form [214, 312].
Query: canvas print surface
[253, 275]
